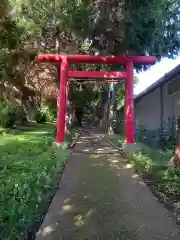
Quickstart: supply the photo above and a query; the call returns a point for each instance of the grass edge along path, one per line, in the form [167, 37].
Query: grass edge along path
[152, 165]
[29, 176]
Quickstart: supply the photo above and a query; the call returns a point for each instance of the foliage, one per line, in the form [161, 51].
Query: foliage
[10, 113]
[7, 115]
[125, 25]
[163, 138]
[121, 24]
[47, 113]
[40, 116]
[52, 109]
[21, 117]
[120, 93]
[85, 97]
[28, 169]
[172, 179]
[105, 27]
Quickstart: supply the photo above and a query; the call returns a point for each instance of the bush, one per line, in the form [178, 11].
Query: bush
[52, 109]
[46, 113]
[46, 110]
[21, 116]
[7, 114]
[172, 186]
[40, 116]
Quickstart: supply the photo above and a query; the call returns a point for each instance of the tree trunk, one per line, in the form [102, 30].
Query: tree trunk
[110, 130]
[104, 122]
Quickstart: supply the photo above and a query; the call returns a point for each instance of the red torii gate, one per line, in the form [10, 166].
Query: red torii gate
[64, 61]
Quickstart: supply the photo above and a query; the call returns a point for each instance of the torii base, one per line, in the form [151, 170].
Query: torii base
[59, 146]
[129, 147]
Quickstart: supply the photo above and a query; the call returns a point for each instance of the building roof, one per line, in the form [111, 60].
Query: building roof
[165, 79]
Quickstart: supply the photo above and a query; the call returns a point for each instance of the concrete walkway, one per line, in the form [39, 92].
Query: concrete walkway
[100, 198]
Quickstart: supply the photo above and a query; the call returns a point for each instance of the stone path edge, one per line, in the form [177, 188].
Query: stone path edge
[75, 140]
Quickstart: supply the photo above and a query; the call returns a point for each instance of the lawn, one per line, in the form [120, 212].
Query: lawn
[153, 164]
[29, 173]
[151, 157]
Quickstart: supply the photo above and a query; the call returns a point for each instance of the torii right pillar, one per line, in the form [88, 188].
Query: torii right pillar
[129, 144]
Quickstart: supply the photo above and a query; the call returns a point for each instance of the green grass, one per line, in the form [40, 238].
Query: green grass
[146, 157]
[153, 162]
[117, 139]
[28, 178]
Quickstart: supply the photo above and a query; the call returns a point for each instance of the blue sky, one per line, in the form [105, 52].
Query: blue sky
[148, 77]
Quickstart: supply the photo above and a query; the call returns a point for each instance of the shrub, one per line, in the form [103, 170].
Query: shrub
[7, 114]
[21, 116]
[40, 116]
[172, 179]
[47, 113]
[52, 108]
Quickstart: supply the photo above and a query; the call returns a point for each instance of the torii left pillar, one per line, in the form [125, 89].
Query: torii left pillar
[62, 98]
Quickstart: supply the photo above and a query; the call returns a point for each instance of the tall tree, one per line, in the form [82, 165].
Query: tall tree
[138, 27]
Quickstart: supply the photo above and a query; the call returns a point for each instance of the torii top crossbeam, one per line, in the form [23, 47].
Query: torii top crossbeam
[96, 59]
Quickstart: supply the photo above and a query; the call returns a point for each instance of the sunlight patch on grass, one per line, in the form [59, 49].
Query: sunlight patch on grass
[41, 132]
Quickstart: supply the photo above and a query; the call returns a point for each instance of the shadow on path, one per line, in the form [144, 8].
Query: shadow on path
[100, 197]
